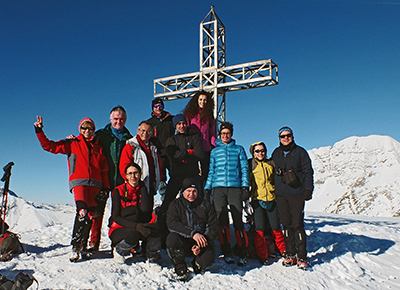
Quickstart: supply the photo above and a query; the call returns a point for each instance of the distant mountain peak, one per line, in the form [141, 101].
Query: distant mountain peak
[358, 175]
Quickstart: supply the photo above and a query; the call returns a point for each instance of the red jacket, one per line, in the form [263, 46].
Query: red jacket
[86, 161]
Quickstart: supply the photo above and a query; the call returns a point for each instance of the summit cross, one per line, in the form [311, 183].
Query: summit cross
[214, 76]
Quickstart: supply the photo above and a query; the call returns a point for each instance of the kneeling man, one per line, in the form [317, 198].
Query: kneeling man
[193, 227]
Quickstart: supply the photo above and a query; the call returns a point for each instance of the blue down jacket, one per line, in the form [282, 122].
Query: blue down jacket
[228, 166]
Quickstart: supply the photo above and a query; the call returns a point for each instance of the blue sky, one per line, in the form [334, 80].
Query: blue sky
[338, 71]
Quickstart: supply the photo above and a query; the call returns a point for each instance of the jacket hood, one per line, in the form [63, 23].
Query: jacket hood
[257, 143]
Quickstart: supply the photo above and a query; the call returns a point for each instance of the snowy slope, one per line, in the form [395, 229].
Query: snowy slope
[359, 175]
[346, 252]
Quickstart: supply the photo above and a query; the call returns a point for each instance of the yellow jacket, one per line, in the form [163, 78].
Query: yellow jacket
[261, 177]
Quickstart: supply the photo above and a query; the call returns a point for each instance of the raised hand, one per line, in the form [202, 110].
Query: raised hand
[39, 122]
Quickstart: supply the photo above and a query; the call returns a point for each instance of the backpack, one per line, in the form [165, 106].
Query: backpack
[9, 244]
[22, 281]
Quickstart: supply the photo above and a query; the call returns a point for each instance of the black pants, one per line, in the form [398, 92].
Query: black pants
[205, 167]
[206, 257]
[132, 237]
[264, 218]
[173, 187]
[232, 196]
[291, 212]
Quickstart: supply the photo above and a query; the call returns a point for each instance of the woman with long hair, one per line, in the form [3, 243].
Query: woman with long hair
[200, 117]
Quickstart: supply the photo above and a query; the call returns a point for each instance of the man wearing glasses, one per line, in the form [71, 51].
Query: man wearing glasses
[143, 152]
[294, 185]
[163, 129]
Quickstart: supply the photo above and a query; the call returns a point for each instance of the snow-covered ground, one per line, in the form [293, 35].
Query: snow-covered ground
[345, 252]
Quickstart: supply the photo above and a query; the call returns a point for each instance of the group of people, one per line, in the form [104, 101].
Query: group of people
[209, 178]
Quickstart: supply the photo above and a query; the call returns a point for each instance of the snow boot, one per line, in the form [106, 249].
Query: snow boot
[181, 271]
[300, 239]
[177, 257]
[302, 264]
[224, 239]
[289, 261]
[243, 243]
[197, 269]
[80, 233]
[75, 255]
[242, 261]
[119, 259]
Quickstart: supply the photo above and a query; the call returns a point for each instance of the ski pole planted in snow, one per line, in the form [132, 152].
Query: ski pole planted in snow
[6, 180]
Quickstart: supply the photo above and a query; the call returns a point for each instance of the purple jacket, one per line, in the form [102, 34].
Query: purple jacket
[205, 129]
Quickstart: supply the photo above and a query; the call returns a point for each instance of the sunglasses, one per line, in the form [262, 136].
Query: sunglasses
[158, 106]
[259, 151]
[87, 128]
[284, 136]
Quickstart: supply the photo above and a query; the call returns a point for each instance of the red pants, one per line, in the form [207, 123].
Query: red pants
[86, 194]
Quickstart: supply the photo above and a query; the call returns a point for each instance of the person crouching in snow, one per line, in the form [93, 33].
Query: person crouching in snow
[88, 176]
[261, 178]
[131, 218]
[193, 227]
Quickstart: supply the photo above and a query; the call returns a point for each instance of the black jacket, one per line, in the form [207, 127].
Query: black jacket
[187, 219]
[126, 215]
[299, 161]
[163, 129]
[182, 163]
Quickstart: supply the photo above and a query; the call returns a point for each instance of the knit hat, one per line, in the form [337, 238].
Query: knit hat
[178, 118]
[87, 120]
[226, 125]
[157, 101]
[189, 182]
[284, 129]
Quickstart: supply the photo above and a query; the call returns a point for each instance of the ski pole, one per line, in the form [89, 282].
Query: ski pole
[6, 180]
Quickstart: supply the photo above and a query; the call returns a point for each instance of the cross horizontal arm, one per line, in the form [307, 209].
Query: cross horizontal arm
[231, 78]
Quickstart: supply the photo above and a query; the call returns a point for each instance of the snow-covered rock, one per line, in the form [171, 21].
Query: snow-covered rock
[358, 175]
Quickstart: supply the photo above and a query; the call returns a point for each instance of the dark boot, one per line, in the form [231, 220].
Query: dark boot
[243, 243]
[177, 257]
[224, 239]
[153, 247]
[80, 233]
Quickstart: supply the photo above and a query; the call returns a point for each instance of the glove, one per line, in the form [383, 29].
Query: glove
[248, 207]
[102, 196]
[207, 194]
[245, 193]
[143, 230]
[307, 195]
[190, 151]
[162, 189]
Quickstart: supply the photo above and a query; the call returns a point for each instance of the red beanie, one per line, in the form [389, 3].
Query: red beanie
[86, 120]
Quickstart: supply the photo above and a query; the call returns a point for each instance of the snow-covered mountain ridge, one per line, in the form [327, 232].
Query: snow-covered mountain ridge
[358, 175]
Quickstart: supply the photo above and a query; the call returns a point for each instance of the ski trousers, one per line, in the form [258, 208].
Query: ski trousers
[206, 257]
[291, 212]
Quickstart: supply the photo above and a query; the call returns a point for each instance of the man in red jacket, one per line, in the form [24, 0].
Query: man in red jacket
[88, 176]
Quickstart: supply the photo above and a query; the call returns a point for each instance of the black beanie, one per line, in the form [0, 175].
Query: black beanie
[226, 125]
[157, 101]
[189, 182]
